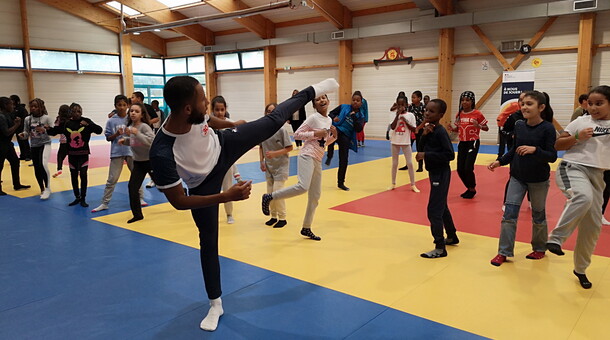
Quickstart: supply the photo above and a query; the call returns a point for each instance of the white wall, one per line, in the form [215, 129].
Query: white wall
[244, 94]
[94, 93]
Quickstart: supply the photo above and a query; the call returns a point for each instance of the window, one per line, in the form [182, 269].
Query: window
[196, 64]
[147, 65]
[176, 3]
[98, 62]
[115, 5]
[11, 58]
[175, 66]
[53, 60]
[147, 80]
[226, 62]
[255, 59]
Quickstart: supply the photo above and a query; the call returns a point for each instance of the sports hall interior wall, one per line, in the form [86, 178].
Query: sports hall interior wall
[244, 91]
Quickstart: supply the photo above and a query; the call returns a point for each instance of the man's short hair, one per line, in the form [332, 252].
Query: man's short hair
[179, 91]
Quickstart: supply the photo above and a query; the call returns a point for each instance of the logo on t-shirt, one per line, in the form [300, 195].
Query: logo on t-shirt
[205, 130]
[601, 131]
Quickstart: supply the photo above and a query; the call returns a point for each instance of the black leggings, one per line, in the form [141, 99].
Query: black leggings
[61, 155]
[79, 164]
[467, 156]
[139, 171]
[234, 143]
[343, 141]
[40, 168]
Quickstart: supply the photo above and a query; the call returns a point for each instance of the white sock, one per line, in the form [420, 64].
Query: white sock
[325, 86]
[210, 322]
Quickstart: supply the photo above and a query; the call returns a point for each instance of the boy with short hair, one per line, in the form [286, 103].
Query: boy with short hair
[437, 151]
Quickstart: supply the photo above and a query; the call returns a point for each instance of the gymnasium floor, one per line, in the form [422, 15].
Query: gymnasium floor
[66, 273]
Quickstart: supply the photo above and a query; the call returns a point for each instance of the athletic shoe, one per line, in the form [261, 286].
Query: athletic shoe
[266, 200]
[451, 241]
[343, 187]
[230, 219]
[151, 184]
[605, 221]
[143, 203]
[406, 167]
[554, 248]
[100, 208]
[498, 260]
[308, 233]
[45, 194]
[535, 255]
[414, 188]
[57, 174]
[435, 253]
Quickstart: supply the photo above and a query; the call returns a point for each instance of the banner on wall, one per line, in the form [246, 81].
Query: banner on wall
[513, 83]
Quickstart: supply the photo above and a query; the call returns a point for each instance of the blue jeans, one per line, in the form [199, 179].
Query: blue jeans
[514, 198]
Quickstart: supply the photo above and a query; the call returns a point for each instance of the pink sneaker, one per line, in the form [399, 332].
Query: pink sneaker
[498, 260]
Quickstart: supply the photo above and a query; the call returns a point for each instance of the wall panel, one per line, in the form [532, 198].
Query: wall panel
[13, 82]
[10, 23]
[244, 93]
[95, 93]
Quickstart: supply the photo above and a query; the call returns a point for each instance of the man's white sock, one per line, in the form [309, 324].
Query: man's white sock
[210, 322]
[325, 86]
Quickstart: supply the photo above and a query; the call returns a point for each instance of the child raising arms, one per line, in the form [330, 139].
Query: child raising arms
[580, 176]
[529, 159]
[401, 126]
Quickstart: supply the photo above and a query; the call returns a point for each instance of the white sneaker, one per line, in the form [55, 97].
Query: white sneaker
[414, 188]
[45, 194]
[143, 203]
[230, 219]
[605, 221]
[151, 184]
[392, 187]
[100, 208]
[503, 207]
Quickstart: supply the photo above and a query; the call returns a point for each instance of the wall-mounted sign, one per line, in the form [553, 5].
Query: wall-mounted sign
[536, 62]
[392, 54]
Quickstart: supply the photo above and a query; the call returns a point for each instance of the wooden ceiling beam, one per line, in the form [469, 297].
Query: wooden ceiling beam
[443, 7]
[162, 14]
[256, 24]
[334, 12]
[107, 20]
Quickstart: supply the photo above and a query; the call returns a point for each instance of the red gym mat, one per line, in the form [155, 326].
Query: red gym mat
[480, 215]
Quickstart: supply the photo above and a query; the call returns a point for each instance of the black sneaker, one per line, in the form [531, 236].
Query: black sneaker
[266, 200]
[555, 248]
[584, 281]
[271, 221]
[469, 194]
[21, 187]
[343, 187]
[75, 202]
[280, 224]
[435, 253]
[308, 233]
[327, 161]
[453, 240]
[406, 167]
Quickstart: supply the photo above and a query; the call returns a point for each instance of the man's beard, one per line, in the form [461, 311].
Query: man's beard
[196, 117]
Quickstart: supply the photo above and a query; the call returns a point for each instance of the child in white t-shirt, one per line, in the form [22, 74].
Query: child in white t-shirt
[581, 178]
[402, 124]
[316, 132]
